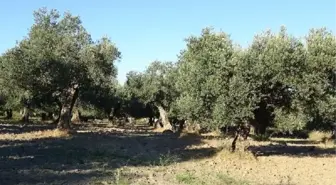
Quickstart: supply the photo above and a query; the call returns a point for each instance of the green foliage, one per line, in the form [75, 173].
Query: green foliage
[289, 121]
[159, 83]
[274, 69]
[206, 79]
[152, 90]
[279, 81]
[10, 99]
[270, 82]
[59, 55]
[155, 85]
[237, 104]
[88, 110]
[100, 98]
[317, 90]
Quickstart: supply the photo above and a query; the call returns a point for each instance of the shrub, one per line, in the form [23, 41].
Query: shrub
[167, 159]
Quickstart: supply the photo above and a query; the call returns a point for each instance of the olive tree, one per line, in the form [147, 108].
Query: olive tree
[59, 56]
[155, 87]
[275, 65]
[224, 85]
[205, 69]
[214, 92]
[317, 88]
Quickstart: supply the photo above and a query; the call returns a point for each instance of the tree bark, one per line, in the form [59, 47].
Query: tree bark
[151, 121]
[164, 118]
[25, 115]
[76, 117]
[43, 116]
[66, 110]
[49, 116]
[9, 114]
[234, 142]
[64, 120]
[263, 118]
[59, 112]
[181, 125]
[158, 123]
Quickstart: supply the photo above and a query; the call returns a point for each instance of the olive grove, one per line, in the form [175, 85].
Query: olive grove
[278, 82]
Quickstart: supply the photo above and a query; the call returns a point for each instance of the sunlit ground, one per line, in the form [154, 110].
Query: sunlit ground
[106, 154]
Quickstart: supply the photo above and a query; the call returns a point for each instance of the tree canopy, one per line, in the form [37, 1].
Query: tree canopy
[278, 81]
[59, 58]
[155, 87]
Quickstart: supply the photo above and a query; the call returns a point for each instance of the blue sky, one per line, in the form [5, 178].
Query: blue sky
[150, 30]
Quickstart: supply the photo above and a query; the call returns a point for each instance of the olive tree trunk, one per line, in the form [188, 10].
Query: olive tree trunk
[9, 114]
[50, 116]
[164, 118]
[76, 117]
[25, 115]
[151, 121]
[68, 103]
[56, 119]
[243, 129]
[234, 142]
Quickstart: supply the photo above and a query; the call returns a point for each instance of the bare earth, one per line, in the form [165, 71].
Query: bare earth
[104, 154]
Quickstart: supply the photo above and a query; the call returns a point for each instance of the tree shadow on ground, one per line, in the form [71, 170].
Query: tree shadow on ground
[114, 125]
[294, 141]
[87, 155]
[291, 150]
[18, 127]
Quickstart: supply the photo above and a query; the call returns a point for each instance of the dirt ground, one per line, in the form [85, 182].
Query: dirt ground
[102, 154]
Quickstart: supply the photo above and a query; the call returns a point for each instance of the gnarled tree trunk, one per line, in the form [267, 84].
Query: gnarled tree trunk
[58, 113]
[158, 123]
[234, 142]
[76, 117]
[151, 121]
[25, 115]
[50, 115]
[164, 118]
[43, 116]
[68, 103]
[263, 118]
[9, 114]
[64, 120]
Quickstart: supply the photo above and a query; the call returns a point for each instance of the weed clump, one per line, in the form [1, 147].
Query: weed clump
[186, 178]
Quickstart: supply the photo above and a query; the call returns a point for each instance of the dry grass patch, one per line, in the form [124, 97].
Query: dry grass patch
[320, 136]
[55, 133]
[215, 134]
[324, 137]
[186, 178]
[236, 156]
[208, 178]
[158, 129]
[189, 135]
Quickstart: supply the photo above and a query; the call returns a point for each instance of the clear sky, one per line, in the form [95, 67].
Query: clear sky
[155, 30]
